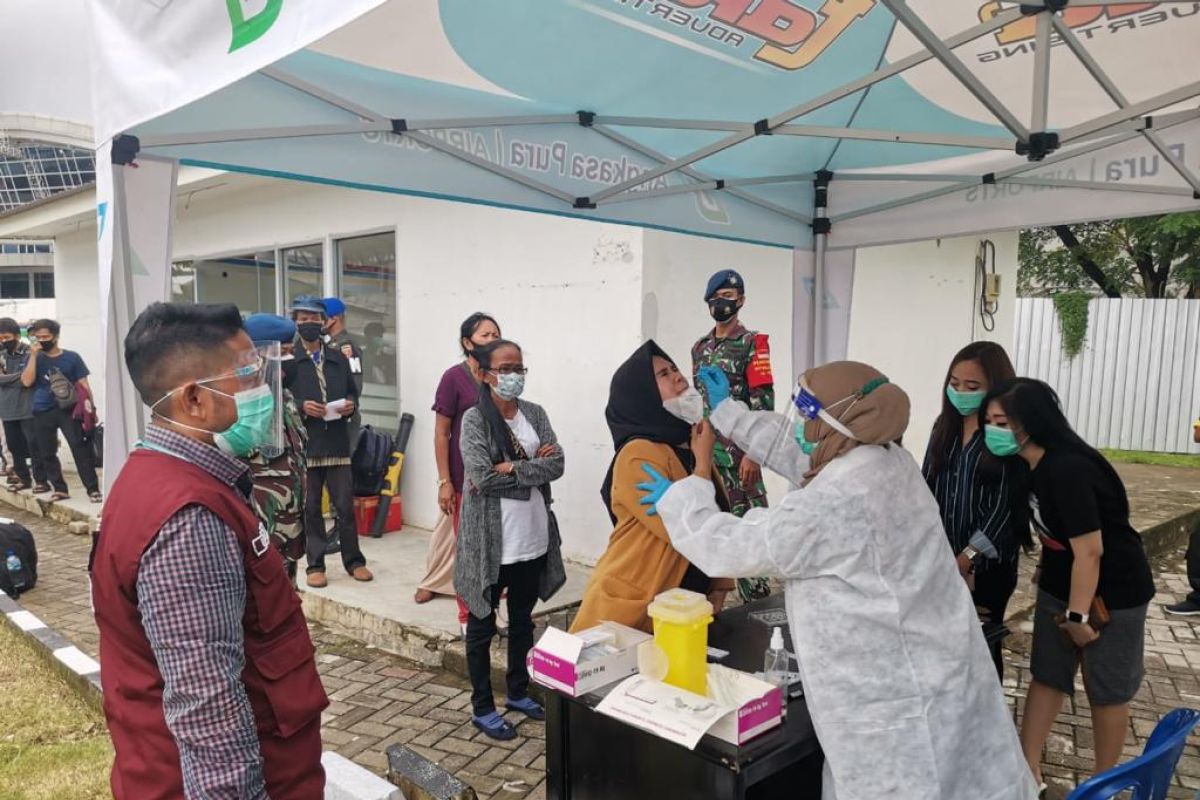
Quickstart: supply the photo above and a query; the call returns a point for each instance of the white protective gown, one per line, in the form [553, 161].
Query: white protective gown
[901, 688]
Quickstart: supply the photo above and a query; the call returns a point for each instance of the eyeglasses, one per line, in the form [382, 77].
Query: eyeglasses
[249, 370]
[507, 370]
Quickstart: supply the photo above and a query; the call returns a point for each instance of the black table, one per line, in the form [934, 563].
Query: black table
[590, 756]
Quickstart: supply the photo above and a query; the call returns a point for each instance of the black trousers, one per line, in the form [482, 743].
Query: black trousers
[994, 587]
[341, 496]
[1193, 565]
[522, 580]
[46, 426]
[20, 437]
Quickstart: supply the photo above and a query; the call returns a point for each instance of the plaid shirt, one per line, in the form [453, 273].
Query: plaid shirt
[191, 592]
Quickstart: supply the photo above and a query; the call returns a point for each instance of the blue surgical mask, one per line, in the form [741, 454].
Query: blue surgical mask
[1002, 442]
[965, 403]
[510, 386]
[805, 445]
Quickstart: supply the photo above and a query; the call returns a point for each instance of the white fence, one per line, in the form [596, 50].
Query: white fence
[1135, 385]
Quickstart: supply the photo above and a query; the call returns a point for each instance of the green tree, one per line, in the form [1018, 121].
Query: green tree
[1152, 257]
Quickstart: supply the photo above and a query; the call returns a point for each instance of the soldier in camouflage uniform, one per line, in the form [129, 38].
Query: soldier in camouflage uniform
[278, 494]
[745, 358]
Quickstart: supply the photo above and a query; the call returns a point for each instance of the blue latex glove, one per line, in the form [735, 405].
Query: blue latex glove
[716, 385]
[654, 488]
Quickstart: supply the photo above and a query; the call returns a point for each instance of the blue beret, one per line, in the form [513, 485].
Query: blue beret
[334, 307]
[306, 302]
[725, 279]
[269, 328]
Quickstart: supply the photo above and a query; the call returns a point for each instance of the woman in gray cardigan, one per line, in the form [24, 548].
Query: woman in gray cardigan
[508, 537]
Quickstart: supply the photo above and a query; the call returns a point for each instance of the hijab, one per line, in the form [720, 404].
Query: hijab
[861, 398]
[635, 411]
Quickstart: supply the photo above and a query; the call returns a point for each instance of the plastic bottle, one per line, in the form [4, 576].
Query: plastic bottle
[16, 574]
[775, 662]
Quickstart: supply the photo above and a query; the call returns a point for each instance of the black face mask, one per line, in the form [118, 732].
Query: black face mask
[722, 309]
[309, 331]
[11, 345]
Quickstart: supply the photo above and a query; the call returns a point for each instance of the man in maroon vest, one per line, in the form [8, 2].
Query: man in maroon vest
[210, 683]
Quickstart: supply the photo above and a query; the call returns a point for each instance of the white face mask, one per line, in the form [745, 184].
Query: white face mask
[688, 406]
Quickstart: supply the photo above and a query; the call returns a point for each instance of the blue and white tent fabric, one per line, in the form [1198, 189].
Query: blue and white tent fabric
[810, 124]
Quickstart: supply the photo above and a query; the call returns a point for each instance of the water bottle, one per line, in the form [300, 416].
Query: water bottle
[16, 575]
[776, 662]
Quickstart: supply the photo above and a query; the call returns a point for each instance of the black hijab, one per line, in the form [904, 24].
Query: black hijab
[635, 411]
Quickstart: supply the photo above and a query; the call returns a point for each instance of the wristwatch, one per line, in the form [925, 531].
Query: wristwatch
[442, 482]
[1075, 616]
[970, 552]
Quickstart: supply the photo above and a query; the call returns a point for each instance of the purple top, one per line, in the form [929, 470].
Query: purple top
[456, 392]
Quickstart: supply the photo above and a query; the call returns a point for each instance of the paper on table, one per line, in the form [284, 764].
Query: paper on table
[665, 711]
[333, 409]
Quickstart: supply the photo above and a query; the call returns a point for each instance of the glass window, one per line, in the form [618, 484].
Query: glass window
[43, 284]
[303, 271]
[247, 281]
[14, 285]
[367, 272]
[183, 282]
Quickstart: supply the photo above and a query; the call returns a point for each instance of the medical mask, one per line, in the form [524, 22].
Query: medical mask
[11, 346]
[965, 403]
[805, 444]
[48, 345]
[510, 386]
[722, 309]
[309, 331]
[1000, 441]
[688, 406]
[256, 412]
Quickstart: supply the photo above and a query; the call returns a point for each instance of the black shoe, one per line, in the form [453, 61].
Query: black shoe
[1185, 609]
[334, 545]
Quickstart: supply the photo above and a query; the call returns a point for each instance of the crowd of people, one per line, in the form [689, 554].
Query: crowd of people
[893, 571]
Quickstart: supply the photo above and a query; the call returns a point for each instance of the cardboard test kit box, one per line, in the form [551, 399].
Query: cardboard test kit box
[576, 664]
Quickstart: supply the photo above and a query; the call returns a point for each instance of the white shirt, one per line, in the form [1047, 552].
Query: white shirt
[525, 523]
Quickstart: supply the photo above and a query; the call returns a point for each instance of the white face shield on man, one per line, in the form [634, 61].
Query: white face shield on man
[260, 410]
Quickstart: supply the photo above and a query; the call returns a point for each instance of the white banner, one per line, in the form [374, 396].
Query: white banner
[153, 56]
[135, 212]
[839, 286]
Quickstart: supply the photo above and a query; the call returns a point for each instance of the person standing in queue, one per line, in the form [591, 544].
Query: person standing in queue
[210, 679]
[457, 392]
[983, 499]
[338, 338]
[651, 411]
[897, 677]
[508, 537]
[16, 411]
[1190, 605]
[1093, 574]
[745, 358]
[323, 378]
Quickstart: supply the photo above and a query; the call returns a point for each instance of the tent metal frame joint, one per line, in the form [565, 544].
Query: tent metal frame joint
[125, 148]
[587, 119]
[399, 126]
[1040, 145]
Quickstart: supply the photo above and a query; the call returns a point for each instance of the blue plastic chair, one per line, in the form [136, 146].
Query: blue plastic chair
[1148, 775]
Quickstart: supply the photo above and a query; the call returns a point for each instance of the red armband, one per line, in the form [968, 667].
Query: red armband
[758, 373]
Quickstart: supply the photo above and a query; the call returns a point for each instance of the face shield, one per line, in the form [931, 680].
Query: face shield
[270, 435]
[804, 408]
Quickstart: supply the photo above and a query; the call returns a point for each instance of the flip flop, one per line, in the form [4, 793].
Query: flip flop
[495, 726]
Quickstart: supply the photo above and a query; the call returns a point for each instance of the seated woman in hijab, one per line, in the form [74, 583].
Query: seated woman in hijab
[651, 410]
[899, 683]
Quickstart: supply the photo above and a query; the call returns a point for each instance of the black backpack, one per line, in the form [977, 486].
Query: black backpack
[19, 540]
[369, 464]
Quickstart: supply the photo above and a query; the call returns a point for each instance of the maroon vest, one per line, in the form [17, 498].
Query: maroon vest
[280, 676]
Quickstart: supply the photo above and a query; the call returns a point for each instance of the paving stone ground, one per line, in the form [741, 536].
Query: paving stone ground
[379, 699]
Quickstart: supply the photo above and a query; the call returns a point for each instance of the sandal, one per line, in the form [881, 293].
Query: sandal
[96, 497]
[527, 706]
[41, 488]
[495, 726]
[59, 496]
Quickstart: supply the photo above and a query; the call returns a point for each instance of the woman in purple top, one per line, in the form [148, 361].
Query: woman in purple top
[457, 392]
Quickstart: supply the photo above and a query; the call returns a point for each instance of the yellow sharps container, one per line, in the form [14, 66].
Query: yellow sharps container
[681, 620]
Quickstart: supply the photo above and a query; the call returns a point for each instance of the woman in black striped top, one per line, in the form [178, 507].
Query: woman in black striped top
[979, 495]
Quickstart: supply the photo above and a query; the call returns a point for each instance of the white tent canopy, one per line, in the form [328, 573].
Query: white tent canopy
[811, 124]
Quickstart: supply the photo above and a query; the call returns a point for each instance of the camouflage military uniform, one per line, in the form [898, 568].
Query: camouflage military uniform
[279, 485]
[744, 357]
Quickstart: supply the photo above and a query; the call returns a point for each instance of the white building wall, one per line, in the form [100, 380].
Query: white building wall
[77, 285]
[912, 310]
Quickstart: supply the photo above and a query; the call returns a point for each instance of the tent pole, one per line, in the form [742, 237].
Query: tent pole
[821, 228]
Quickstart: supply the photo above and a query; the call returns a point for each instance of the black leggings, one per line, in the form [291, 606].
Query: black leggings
[994, 587]
[522, 580]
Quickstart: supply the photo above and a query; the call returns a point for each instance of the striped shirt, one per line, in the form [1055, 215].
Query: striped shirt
[191, 592]
[972, 503]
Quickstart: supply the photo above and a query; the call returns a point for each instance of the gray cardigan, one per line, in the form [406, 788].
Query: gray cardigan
[480, 531]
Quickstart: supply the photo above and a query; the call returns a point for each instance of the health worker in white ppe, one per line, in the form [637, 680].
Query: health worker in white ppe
[901, 689]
